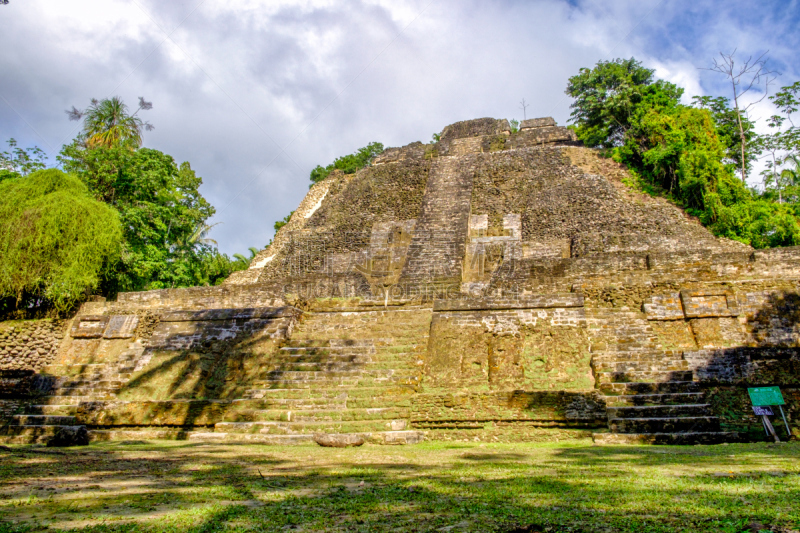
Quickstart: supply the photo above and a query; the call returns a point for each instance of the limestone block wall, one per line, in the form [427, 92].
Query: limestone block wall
[513, 345]
[29, 344]
[464, 410]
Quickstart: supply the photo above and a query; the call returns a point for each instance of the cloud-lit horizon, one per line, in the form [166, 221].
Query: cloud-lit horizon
[254, 94]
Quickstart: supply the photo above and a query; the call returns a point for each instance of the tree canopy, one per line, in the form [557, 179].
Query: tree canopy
[57, 242]
[160, 207]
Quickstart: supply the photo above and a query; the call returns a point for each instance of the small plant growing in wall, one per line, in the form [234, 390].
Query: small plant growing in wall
[514, 125]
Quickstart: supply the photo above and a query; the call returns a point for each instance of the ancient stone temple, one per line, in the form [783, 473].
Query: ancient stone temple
[490, 286]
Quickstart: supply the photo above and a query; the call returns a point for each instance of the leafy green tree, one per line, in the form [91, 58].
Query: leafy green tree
[107, 123]
[19, 162]
[726, 121]
[678, 150]
[609, 97]
[162, 212]
[349, 164]
[57, 242]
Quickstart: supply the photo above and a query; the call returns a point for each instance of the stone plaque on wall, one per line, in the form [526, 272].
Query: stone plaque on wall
[699, 304]
[664, 307]
[121, 327]
[89, 327]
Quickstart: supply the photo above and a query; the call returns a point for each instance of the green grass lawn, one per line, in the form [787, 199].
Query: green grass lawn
[436, 486]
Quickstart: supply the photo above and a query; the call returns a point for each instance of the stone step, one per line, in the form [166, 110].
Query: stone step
[94, 384]
[84, 392]
[313, 375]
[660, 411]
[34, 430]
[655, 399]
[44, 420]
[385, 391]
[259, 387]
[647, 355]
[310, 375]
[140, 434]
[668, 387]
[335, 401]
[664, 425]
[643, 376]
[371, 359]
[294, 428]
[56, 400]
[671, 365]
[331, 383]
[372, 437]
[58, 410]
[294, 404]
[693, 437]
[319, 415]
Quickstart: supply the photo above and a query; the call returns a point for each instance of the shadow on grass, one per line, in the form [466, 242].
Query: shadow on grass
[204, 488]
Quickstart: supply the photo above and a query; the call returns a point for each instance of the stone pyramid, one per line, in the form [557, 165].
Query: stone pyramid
[490, 286]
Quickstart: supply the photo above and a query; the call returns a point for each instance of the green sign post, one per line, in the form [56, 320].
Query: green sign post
[766, 396]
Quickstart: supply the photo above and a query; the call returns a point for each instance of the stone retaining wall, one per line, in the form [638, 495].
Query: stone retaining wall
[29, 344]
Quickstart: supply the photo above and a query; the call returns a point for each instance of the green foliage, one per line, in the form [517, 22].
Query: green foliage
[243, 262]
[57, 242]
[281, 223]
[216, 267]
[677, 149]
[609, 96]
[514, 125]
[163, 213]
[21, 161]
[348, 164]
[686, 153]
[435, 138]
[727, 128]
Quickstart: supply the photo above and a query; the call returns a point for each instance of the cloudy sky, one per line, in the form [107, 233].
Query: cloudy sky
[255, 93]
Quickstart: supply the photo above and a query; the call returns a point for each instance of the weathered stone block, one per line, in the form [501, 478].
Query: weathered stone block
[664, 307]
[121, 326]
[702, 304]
[537, 123]
[69, 436]
[338, 440]
[88, 327]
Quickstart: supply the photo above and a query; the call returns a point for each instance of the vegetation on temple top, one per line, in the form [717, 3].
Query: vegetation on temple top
[349, 164]
[692, 154]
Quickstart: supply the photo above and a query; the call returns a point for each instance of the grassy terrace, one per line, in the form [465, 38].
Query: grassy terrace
[177, 486]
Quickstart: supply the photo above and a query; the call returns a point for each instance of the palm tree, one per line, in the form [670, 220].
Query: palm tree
[107, 123]
[200, 235]
[247, 260]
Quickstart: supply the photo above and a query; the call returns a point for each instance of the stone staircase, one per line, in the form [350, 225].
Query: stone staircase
[437, 249]
[650, 393]
[82, 382]
[341, 385]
